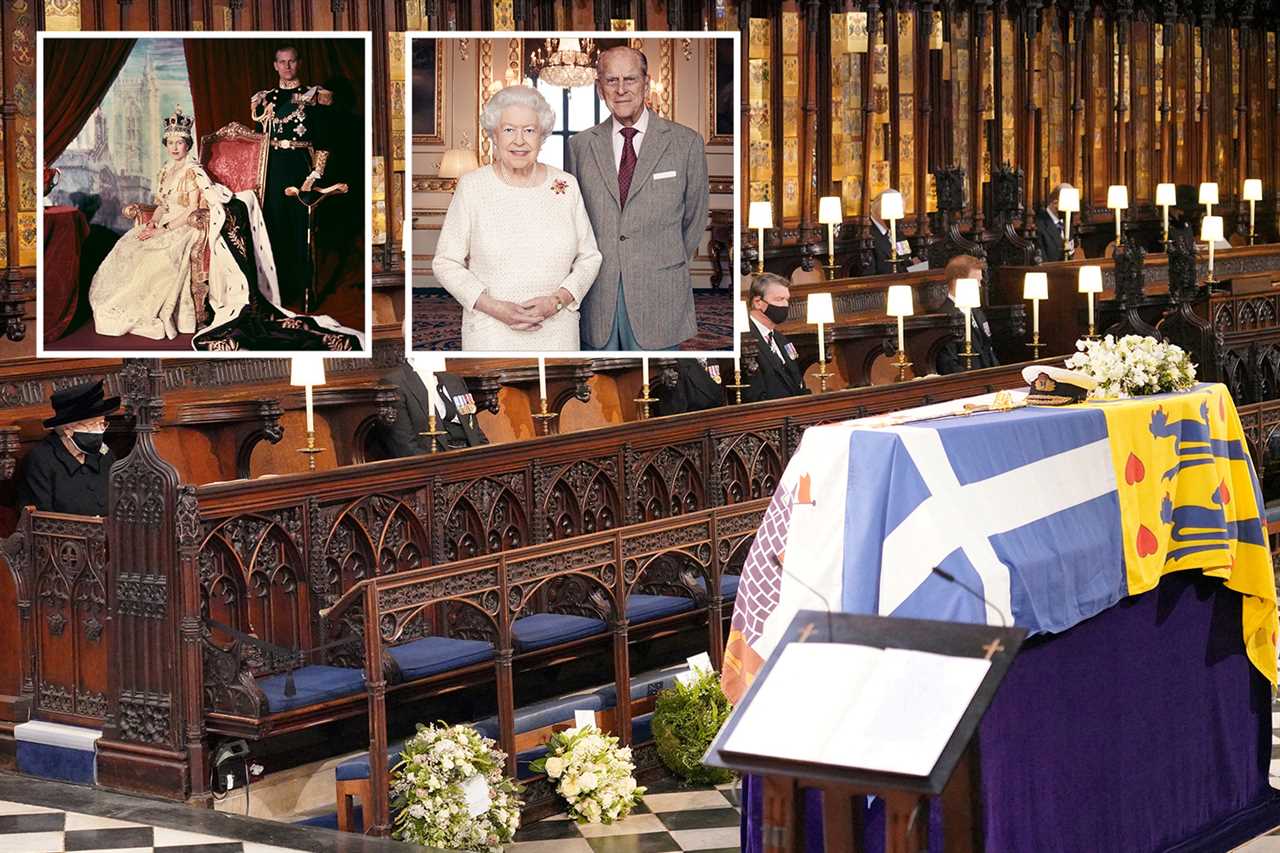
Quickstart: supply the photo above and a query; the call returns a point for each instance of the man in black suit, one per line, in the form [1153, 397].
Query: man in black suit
[1050, 233]
[778, 372]
[699, 385]
[458, 418]
[881, 248]
[950, 359]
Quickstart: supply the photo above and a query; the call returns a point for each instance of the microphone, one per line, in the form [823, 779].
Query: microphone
[804, 635]
[950, 578]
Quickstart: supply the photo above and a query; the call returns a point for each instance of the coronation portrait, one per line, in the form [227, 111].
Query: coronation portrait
[204, 195]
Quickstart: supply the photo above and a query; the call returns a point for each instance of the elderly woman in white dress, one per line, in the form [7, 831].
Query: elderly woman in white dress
[517, 250]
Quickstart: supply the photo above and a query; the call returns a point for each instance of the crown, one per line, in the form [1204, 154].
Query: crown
[177, 124]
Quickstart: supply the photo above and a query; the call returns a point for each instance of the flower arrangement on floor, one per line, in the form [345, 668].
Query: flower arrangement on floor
[450, 790]
[1133, 365]
[686, 718]
[592, 773]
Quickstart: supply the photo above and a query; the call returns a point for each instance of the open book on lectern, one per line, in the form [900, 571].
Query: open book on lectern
[879, 698]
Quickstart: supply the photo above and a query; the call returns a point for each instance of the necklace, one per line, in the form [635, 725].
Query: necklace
[510, 179]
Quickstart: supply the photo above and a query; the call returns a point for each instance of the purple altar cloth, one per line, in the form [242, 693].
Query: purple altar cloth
[1143, 728]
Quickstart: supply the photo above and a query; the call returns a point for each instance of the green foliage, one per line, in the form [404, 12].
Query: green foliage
[685, 721]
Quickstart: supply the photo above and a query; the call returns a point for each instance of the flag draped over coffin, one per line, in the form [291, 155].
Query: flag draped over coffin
[1052, 515]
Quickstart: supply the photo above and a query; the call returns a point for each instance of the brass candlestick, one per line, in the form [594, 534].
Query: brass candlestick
[737, 385]
[545, 417]
[644, 400]
[831, 271]
[1036, 346]
[311, 450]
[431, 432]
[902, 364]
[822, 375]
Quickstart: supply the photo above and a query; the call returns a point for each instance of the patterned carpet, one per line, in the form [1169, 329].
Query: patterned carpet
[437, 321]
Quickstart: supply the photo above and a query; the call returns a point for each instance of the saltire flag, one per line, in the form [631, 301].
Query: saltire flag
[1050, 514]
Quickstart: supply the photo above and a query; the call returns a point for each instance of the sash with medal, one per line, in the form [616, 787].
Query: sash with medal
[791, 351]
[465, 404]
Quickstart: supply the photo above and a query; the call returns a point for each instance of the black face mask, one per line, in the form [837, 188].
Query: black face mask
[777, 314]
[89, 442]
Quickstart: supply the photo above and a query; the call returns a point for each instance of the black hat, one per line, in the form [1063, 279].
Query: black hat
[1055, 386]
[80, 403]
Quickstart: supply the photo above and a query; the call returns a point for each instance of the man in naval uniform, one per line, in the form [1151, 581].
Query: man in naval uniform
[295, 118]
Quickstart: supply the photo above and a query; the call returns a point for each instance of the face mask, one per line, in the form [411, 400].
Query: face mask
[776, 313]
[89, 442]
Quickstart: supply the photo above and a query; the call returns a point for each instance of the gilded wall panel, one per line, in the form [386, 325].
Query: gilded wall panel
[1008, 93]
[1143, 186]
[790, 115]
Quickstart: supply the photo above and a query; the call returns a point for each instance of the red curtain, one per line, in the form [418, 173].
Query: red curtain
[77, 73]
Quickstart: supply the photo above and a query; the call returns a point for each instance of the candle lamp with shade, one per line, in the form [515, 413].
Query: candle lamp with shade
[307, 371]
[1068, 203]
[899, 303]
[891, 211]
[830, 214]
[1035, 286]
[741, 325]
[1208, 196]
[1118, 200]
[1253, 194]
[1166, 197]
[456, 162]
[760, 217]
[968, 297]
[1211, 233]
[820, 311]
[1091, 284]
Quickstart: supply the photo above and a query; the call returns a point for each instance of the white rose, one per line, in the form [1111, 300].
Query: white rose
[588, 781]
[569, 787]
[555, 766]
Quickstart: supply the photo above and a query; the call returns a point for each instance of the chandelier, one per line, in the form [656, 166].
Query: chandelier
[567, 62]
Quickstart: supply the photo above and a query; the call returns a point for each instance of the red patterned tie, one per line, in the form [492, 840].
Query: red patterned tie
[627, 167]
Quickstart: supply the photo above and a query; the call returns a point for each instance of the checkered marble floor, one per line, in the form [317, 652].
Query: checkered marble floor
[37, 829]
[672, 819]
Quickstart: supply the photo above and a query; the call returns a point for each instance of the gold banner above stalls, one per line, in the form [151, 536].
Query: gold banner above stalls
[1081, 99]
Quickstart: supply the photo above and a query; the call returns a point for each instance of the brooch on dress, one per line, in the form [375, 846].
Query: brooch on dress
[558, 187]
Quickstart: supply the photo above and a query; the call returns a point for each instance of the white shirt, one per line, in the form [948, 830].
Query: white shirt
[765, 332]
[641, 125]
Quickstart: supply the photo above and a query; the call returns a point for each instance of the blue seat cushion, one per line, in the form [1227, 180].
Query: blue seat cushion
[314, 684]
[728, 585]
[539, 630]
[430, 655]
[548, 712]
[642, 729]
[357, 767]
[642, 607]
[644, 684]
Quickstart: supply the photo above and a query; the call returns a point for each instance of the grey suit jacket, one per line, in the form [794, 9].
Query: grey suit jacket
[648, 244]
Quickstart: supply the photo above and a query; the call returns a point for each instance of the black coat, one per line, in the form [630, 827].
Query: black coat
[773, 379]
[401, 437]
[53, 481]
[883, 251]
[1049, 237]
[693, 391]
[949, 358]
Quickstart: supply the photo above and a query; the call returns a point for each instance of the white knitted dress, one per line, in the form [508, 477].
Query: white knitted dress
[518, 243]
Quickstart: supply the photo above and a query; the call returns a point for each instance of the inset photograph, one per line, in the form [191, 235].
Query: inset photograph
[204, 195]
[572, 193]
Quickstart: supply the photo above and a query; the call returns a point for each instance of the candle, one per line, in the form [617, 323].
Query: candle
[1253, 194]
[1090, 310]
[1090, 278]
[901, 336]
[820, 311]
[891, 208]
[830, 214]
[644, 370]
[307, 371]
[741, 326]
[899, 303]
[831, 238]
[1068, 203]
[1035, 286]
[760, 217]
[542, 378]
[311, 417]
[1118, 200]
[1211, 233]
[1208, 196]
[1166, 197]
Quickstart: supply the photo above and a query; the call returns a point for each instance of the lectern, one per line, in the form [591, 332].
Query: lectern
[971, 659]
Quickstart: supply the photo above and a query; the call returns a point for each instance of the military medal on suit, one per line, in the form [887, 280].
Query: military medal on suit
[295, 121]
